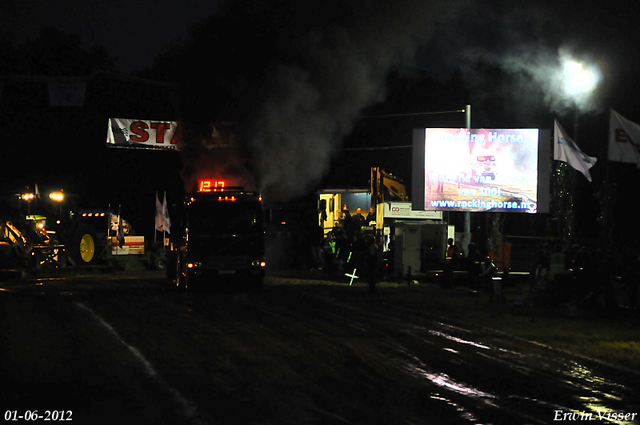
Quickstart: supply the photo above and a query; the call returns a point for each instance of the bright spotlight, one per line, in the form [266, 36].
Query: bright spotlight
[579, 81]
[56, 196]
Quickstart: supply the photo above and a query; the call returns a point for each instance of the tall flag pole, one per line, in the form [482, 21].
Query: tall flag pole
[109, 228]
[158, 224]
[167, 221]
[120, 234]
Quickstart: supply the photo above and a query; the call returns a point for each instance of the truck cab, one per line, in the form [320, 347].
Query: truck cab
[221, 239]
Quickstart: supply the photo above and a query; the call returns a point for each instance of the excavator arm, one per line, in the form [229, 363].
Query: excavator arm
[386, 187]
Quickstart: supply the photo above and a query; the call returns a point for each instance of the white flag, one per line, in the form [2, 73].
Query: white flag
[120, 234]
[565, 150]
[159, 216]
[624, 140]
[163, 223]
[165, 214]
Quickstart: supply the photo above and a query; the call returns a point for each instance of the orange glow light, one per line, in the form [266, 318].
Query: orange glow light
[56, 196]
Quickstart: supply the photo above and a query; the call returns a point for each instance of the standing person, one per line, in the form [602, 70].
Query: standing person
[317, 242]
[322, 210]
[488, 281]
[342, 250]
[449, 264]
[371, 216]
[558, 288]
[473, 267]
[557, 264]
[358, 220]
[348, 223]
[373, 256]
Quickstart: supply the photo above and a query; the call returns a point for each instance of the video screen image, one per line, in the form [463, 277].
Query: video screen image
[481, 170]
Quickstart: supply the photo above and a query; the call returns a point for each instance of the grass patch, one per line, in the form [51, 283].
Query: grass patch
[614, 339]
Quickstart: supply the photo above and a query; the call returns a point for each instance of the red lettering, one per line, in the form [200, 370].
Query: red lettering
[211, 186]
[140, 130]
[176, 135]
[160, 128]
[620, 135]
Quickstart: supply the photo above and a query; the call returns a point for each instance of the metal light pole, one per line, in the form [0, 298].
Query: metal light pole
[579, 83]
[467, 215]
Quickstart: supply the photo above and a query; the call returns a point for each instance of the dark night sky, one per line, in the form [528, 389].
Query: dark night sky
[517, 35]
[133, 31]
[137, 31]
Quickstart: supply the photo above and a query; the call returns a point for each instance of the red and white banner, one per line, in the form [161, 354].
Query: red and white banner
[624, 140]
[145, 134]
[132, 245]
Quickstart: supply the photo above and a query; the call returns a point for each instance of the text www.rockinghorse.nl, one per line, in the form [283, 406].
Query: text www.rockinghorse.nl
[482, 204]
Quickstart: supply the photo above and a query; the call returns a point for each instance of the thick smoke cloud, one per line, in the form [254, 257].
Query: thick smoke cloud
[305, 83]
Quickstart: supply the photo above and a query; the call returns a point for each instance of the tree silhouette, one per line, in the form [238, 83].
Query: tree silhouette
[54, 53]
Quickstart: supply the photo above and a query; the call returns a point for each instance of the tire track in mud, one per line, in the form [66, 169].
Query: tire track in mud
[187, 408]
[386, 350]
[481, 375]
[300, 354]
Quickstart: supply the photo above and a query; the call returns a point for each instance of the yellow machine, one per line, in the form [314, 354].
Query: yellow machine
[386, 187]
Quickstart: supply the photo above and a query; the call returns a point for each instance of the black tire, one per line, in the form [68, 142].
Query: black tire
[84, 245]
[160, 263]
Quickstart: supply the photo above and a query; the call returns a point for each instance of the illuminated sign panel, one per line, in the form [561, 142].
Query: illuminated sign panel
[477, 169]
[211, 186]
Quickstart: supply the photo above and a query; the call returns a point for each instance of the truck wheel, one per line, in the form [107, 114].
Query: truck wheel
[160, 263]
[83, 248]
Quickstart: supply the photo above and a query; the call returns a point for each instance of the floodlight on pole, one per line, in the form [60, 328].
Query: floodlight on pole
[579, 81]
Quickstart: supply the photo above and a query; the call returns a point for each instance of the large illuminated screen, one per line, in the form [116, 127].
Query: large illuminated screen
[481, 170]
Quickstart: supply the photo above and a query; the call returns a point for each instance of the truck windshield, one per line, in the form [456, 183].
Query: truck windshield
[222, 218]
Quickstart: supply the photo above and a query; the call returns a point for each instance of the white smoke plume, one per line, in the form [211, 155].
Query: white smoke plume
[330, 62]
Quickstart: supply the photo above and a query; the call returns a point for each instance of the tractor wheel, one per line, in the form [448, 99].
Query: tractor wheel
[160, 263]
[84, 249]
